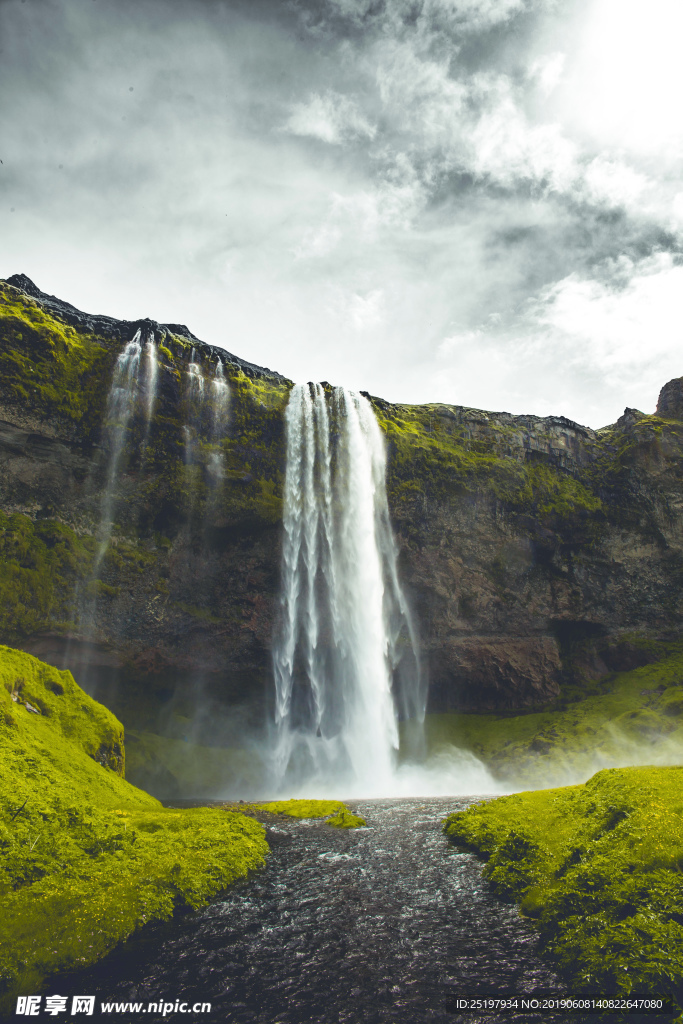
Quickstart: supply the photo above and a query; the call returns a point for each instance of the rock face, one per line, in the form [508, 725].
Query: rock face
[670, 404]
[537, 553]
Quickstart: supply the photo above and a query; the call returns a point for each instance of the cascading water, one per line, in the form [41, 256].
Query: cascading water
[194, 397]
[220, 405]
[121, 404]
[220, 399]
[152, 377]
[345, 625]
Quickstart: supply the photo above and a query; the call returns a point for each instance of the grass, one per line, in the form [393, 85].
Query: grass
[632, 717]
[598, 867]
[86, 858]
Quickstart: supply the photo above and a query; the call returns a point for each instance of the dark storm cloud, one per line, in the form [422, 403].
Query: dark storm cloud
[397, 196]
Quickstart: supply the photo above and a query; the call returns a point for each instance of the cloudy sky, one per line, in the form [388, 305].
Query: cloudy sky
[467, 201]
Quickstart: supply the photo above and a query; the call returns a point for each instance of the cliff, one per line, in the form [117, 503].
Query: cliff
[538, 554]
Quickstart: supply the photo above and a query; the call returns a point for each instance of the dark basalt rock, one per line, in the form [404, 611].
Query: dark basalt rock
[670, 404]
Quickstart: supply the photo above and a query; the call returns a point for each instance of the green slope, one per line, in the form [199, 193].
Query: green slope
[631, 718]
[86, 858]
[598, 867]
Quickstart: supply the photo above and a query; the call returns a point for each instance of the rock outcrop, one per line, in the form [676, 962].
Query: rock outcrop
[537, 553]
[670, 404]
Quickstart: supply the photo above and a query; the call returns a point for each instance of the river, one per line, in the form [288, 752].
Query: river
[389, 924]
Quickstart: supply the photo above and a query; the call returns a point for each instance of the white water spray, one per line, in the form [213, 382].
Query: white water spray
[345, 625]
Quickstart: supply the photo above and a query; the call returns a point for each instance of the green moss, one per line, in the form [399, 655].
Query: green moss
[40, 565]
[48, 366]
[633, 717]
[599, 868]
[337, 814]
[85, 857]
[433, 454]
[345, 819]
[197, 613]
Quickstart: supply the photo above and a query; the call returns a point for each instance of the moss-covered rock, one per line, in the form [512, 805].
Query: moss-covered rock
[48, 367]
[598, 868]
[336, 813]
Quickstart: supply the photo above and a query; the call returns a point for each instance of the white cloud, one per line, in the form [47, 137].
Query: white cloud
[458, 342]
[546, 71]
[615, 328]
[329, 117]
[363, 216]
[505, 146]
[624, 80]
[362, 312]
[428, 15]
[613, 182]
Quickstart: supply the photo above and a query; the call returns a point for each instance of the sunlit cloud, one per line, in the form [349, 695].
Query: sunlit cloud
[626, 323]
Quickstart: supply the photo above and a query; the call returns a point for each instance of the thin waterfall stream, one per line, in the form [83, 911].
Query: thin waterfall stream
[121, 404]
[220, 405]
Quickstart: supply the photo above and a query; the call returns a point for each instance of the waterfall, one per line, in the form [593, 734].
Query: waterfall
[220, 405]
[345, 626]
[220, 400]
[152, 376]
[121, 404]
[196, 377]
[194, 399]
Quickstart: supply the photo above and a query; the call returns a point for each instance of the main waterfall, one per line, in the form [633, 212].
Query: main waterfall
[345, 658]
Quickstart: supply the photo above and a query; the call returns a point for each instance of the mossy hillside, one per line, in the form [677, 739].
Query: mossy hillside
[598, 867]
[630, 718]
[85, 858]
[66, 715]
[49, 368]
[336, 813]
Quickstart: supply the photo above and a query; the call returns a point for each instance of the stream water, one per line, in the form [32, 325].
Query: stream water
[385, 924]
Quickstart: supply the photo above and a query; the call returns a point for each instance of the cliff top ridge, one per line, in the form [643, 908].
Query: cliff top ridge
[123, 329]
